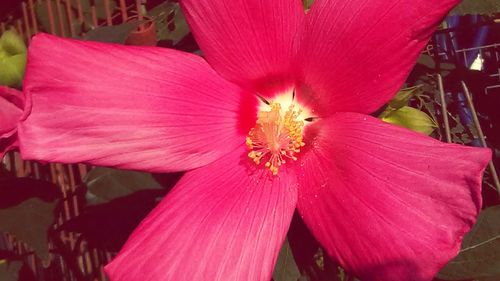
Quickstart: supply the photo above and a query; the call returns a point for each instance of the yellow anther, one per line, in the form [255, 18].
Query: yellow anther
[276, 137]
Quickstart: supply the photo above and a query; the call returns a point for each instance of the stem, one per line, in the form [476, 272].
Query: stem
[444, 111]
[491, 166]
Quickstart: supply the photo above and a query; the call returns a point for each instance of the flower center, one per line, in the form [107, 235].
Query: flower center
[276, 137]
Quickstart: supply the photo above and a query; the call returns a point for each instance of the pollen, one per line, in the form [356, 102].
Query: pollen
[276, 137]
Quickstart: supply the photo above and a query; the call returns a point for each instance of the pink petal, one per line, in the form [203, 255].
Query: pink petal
[11, 110]
[387, 203]
[224, 221]
[140, 108]
[246, 41]
[356, 54]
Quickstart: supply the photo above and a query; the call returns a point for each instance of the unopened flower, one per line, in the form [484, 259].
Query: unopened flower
[12, 59]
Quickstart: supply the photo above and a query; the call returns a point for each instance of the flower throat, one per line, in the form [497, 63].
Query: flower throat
[276, 137]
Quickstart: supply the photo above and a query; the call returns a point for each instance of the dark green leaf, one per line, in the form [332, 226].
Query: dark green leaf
[112, 34]
[9, 271]
[99, 7]
[310, 258]
[13, 191]
[106, 184]
[473, 7]
[170, 22]
[30, 222]
[479, 257]
[427, 63]
[403, 97]
[286, 269]
[27, 211]
[43, 17]
[107, 226]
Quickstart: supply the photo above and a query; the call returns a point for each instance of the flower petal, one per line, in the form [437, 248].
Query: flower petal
[224, 221]
[388, 203]
[246, 40]
[11, 110]
[140, 108]
[356, 54]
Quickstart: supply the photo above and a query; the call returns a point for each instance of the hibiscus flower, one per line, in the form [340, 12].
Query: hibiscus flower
[274, 120]
[11, 110]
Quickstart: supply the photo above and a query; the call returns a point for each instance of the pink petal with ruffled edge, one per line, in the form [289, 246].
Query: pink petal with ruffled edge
[246, 41]
[356, 54]
[11, 109]
[143, 108]
[387, 203]
[224, 221]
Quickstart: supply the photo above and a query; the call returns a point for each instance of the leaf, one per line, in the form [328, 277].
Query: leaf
[9, 271]
[106, 184]
[99, 7]
[411, 118]
[403, 97]
[107, 226]
[112, 34]
[430, 63]
[43, 17]
[286, 269]
[309, 257]
[479, 257]
[25, 188]
[474, 7]
[27, 211]
[170, 22]
[30, 222]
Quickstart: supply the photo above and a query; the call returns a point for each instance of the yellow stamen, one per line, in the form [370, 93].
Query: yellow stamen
[276, 136]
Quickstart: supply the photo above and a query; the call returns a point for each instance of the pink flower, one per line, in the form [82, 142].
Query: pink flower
[11, 110]
[385, 202]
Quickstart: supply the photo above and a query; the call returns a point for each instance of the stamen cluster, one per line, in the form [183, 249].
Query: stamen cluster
[276, 137]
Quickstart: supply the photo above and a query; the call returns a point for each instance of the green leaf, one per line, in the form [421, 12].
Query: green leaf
[43, 17]
[107, 226]
[99, 7]
[170, 22]
[411, 118]
[428, 62]
[474, 7]
[112, 34]
[106, 184]
[9, 270]
[479, 257]
[403, 97]
[30, 222]
[286, 269]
